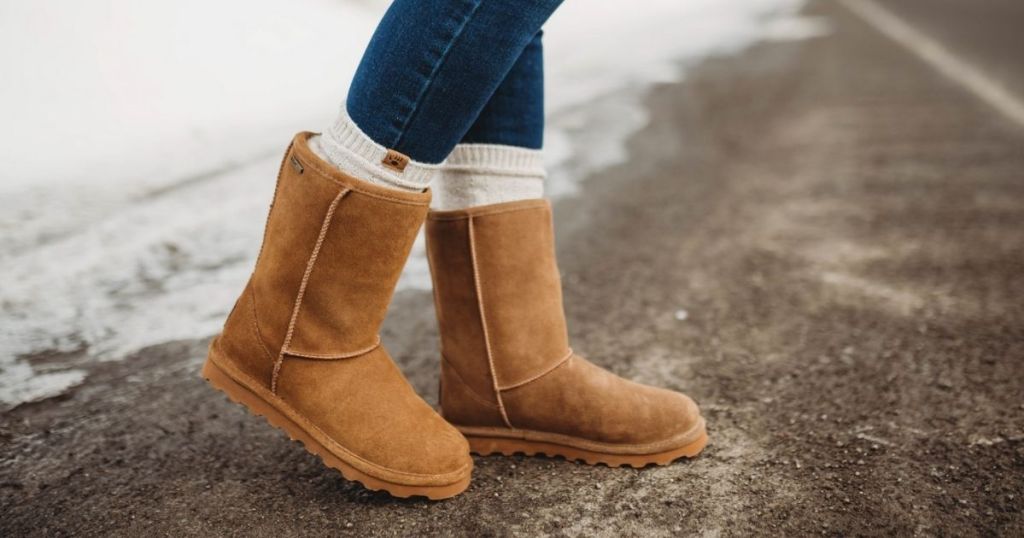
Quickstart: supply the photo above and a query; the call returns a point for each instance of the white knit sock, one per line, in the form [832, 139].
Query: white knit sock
[347, 147]
[484, 174]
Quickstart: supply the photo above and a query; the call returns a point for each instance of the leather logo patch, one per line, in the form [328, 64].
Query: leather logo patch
[395, 160]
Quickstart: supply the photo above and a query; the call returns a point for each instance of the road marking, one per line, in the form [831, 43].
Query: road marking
[938, 57]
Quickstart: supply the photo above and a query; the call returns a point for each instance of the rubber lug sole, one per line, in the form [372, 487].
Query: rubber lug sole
[487, 446]
[238, 393]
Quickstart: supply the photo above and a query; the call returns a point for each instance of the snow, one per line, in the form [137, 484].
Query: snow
[141, 140]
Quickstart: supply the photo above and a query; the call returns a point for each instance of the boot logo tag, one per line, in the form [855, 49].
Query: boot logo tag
[395, 160]
[295, 164]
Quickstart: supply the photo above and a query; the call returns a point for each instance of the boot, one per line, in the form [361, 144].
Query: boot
[301, 346]
[509, 381]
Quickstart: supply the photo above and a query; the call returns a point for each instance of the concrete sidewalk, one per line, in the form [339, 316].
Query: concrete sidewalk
[843, 228]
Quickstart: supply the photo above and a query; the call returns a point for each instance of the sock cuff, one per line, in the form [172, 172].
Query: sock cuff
[352, 150]
[495, 159]
[484, 174]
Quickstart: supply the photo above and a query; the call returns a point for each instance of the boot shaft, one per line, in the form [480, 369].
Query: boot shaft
[497, 293]
[332, 253]
[301, 346]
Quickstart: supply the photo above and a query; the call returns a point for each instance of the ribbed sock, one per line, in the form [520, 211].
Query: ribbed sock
[348, 148]
[484, 174]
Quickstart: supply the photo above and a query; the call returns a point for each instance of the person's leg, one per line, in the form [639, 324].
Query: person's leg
[301, 346]
[514, 115]
[499, 158]
[429, 70]
[509, 380]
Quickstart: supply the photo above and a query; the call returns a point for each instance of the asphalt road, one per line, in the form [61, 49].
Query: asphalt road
[986, 34]
[843, 226]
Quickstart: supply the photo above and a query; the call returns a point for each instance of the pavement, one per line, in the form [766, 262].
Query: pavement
[821, 241]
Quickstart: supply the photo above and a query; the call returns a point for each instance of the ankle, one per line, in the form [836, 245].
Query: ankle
[484, 174]
[349, 149]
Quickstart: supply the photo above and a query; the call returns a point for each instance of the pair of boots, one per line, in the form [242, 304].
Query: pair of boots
[301, 346]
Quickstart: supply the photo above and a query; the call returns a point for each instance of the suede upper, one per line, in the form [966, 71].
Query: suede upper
[526, 337]
[506, 361]
[364, 246]
[305, 330]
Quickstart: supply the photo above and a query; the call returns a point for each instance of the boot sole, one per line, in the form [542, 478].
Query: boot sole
[490, 441]
[259, 406]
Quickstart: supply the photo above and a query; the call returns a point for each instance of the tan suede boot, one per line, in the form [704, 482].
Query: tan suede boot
[509, 381]
[301, 346]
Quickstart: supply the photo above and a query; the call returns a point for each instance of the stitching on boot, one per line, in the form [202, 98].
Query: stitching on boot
[531, 379]
[302, 288]
[327, 357]
[256, 325]
[483, 323]
[334, 446]
[469, 390]
[266, 225]
[437, 303]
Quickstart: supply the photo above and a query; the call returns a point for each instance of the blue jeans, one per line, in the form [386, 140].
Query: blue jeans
[440, 72]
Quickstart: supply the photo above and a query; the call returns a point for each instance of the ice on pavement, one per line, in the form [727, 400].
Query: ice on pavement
[141, 142]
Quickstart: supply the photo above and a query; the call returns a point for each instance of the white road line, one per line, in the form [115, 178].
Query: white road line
[941, 59]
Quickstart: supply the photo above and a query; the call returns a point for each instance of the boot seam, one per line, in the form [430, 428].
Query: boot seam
[256, 325]
[472, 393]
[543, 373]
[295, 415]
[483, 324]
[302, 287]
[328, 356]
[249, 297]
